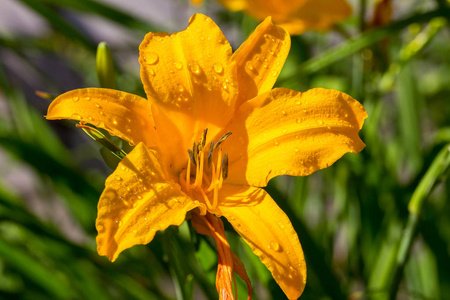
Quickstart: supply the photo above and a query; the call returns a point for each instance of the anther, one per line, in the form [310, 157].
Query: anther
[225, 166]
[195, 152]
[222, 138]
[210, 154]
[191, 156]
[202, 142]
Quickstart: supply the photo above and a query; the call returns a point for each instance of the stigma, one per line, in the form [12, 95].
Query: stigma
[206, 169]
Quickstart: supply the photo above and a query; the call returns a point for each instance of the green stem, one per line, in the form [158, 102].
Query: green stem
[434, 174]
[362, 15]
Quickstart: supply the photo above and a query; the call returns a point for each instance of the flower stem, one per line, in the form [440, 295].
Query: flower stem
[434, 174]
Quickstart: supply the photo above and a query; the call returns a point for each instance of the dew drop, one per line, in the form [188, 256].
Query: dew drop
[274, 73]
[298, 121]
[275, 246]
[118, 178]
[276, 143]
[97, 105]
[249, 66]
[151, 72]
[76, 116]
[283, 112]
[218, 68]
[178, 65]
[281, 225]
[320, 122]
[283, 171]
[346, 115]
[75, 99]
[151, 58]
[196, 69]
[102, 113]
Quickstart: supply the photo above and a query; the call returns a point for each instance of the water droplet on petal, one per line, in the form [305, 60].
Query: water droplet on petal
[76, 116]
[218, 68]
[87, 98]
[75, 99]
[97, 105]
[196, 69]
[249, 66]
[320, 122]
[283, 171]
[178, 65]
[281, 225]
[151, 58]
[274, 73]
[118, 178]
[275, 246]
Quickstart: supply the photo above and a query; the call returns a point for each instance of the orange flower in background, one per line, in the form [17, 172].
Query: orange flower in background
[296, 16]
[210, 134]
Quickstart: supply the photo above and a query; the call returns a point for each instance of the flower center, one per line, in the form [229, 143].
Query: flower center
[203, 176]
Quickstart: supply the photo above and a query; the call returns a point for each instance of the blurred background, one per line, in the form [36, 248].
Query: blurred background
[375, 225]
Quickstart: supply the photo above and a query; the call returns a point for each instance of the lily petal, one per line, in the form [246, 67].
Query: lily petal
[284, 132]
[260, 58]
[188, 77]
[318, 15]
[138, 200]
[121, 114]
[268, 231]
[296, 16]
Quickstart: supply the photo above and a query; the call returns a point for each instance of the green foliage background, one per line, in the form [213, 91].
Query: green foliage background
[373, 226]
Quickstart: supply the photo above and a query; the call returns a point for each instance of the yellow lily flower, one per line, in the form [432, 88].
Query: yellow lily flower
[296, 16]
[186, 160]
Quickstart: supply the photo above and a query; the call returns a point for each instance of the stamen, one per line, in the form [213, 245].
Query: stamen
[208, 204]
[199, 175]
[188, 176]
[191, 156]
[225, 166]
[195, 152]
[202, 142]
[222, 138]
[210, 154]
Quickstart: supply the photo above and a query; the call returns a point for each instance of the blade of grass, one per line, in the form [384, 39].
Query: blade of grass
[439, 167]
[59, 23]
[103, 10]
